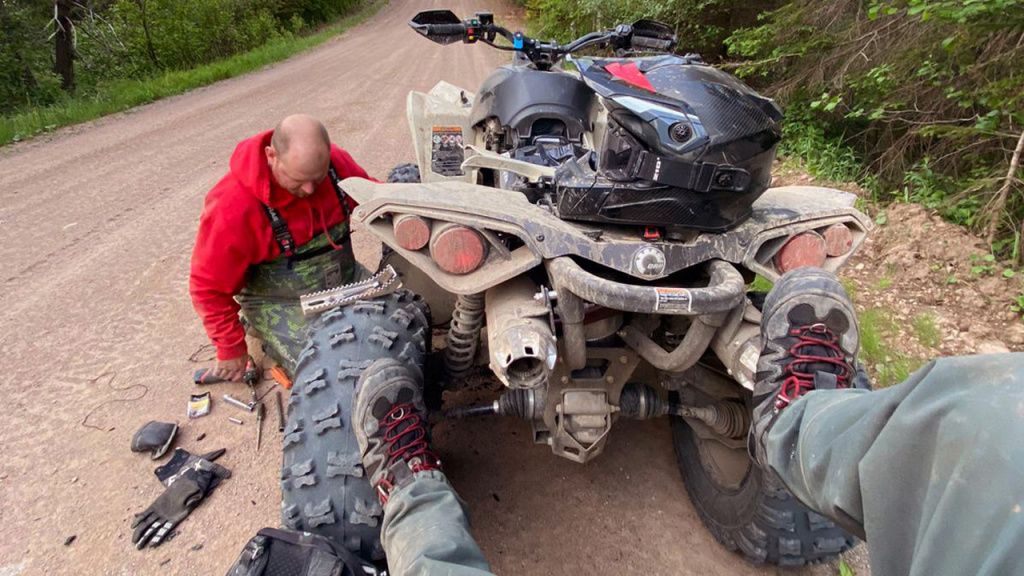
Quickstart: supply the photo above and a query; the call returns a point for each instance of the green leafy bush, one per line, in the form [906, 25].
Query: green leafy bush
[921, 100]
[181, 34]
[702, 25]
[25, 66]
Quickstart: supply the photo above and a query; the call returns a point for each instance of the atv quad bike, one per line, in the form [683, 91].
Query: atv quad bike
[591, 235]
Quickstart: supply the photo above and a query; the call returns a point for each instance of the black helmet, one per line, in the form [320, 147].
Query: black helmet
[686, 146]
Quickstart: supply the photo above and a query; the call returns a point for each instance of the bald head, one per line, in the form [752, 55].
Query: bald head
[299, 154]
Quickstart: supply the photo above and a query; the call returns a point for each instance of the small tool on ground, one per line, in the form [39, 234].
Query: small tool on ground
[281, 377]
[248, 407]
[259, 425]
[280, 413]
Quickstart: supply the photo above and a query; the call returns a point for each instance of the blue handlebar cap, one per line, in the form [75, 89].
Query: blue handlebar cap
[517, 41]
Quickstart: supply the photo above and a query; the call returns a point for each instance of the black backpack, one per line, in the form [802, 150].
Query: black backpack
[275, 552]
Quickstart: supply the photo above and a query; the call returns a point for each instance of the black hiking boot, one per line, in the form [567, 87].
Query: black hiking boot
[390, 425]
[809, 341]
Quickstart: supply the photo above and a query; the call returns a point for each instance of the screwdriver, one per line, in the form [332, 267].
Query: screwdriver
[259, 425]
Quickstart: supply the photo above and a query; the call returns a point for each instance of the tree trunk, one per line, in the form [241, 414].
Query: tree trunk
[145, 30]
[996, 215]
[64, 49]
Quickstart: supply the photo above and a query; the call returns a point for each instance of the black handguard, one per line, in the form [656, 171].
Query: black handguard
[155, 437]
[186, 489]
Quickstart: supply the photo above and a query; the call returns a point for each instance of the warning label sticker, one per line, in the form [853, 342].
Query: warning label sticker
[673, 300]
[446, 153]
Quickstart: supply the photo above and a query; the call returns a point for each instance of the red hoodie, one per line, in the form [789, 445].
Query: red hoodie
[234, 233]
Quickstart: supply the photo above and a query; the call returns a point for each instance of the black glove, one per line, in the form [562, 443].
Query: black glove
[186, 491]
[183, 461]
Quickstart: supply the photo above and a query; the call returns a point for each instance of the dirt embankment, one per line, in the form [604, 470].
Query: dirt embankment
[926, 287]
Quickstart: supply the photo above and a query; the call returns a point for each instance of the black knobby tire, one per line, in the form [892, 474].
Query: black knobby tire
[324, 489]
[756, 516]
[404, 174]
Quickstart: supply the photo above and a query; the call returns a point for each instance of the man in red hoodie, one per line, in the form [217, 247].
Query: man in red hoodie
[275, 227]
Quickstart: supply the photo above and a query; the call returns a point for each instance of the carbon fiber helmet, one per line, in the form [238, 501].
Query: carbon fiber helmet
[686, 146]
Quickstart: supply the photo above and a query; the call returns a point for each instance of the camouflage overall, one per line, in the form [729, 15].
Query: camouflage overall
[270, 298]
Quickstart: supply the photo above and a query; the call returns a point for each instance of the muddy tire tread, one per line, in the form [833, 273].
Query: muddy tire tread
[404, 174]
[761, 520]
[324, 489]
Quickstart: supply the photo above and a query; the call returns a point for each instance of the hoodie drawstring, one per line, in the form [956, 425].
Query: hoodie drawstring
[323, 224]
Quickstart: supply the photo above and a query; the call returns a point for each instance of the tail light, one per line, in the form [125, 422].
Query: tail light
[806, 249]
[838, 240]
[411, 232]
[457, 249]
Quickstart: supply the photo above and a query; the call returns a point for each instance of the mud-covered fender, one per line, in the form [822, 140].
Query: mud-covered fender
[779, 214]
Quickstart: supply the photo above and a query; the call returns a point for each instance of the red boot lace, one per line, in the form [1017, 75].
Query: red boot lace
[408, 443]
[816, 344]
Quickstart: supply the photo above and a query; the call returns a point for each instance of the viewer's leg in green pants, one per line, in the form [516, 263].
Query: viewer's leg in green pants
[931, 471]
[426, 531]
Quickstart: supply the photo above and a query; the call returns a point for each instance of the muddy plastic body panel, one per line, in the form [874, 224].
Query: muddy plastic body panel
[778, 214]
[518, 97]
[440, 125]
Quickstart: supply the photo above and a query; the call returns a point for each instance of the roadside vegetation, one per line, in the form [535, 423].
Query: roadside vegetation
[69, 61]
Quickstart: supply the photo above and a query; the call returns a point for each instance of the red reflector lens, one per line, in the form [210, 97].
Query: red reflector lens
[458, 249]
[411, 232]
[838, 240]
[807, 249]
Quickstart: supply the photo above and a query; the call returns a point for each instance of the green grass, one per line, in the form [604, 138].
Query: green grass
[884, 283]
[850, 287]
[760, 284]
[121, 95]
[926, 330]
[886, 363]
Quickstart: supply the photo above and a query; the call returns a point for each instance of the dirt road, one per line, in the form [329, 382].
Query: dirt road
[96, 229]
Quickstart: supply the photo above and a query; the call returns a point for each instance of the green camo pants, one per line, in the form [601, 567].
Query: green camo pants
[931, 471]
[426, 531]
[270, 299]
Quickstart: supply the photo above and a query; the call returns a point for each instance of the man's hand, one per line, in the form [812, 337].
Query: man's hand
[231, 369]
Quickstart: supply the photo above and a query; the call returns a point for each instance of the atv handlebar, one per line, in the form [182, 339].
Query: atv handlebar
[444, 27]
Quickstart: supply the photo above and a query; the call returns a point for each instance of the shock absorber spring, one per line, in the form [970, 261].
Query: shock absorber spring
[464, 335]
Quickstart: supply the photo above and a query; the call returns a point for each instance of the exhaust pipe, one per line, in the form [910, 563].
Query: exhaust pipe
[520, 342]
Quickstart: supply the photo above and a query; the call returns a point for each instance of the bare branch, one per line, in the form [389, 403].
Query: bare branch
[1004, 191]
